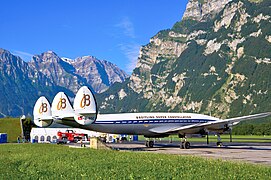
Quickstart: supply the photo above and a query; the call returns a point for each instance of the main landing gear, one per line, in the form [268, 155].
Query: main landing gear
[184, 143]
[219, 143]
[149, 143]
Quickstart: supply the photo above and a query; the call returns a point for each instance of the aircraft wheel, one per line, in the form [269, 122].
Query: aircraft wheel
[186, 145]
[219, 144]
[151, 143]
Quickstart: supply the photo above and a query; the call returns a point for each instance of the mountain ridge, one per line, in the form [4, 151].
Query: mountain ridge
[46, 74]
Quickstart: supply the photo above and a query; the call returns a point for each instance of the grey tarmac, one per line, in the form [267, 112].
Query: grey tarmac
[257, 153]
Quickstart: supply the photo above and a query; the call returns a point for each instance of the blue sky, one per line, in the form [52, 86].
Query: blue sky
[112, 30]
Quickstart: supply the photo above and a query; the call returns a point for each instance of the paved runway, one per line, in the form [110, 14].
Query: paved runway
[258, 153]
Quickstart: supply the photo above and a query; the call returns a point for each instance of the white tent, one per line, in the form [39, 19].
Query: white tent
[49, 135]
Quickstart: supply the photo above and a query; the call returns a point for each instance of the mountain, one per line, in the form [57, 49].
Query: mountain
[100, 74]
[21, 83]
[72, 74]
[216, 60]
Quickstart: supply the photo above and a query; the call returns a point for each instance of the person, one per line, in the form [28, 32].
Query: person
[23, 139]
[18, 139]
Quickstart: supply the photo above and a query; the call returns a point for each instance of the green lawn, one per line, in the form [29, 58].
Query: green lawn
[47, 161]
[12, 127]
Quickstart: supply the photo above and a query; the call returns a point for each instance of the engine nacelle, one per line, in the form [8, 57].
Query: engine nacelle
[85, 107]
[42, 113]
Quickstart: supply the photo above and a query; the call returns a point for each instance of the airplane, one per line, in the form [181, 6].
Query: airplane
[84, 114]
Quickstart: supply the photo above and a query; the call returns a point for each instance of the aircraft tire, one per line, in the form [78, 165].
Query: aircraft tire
[151, 143]
[186, 145]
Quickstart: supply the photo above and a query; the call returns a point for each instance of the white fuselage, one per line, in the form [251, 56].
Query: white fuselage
[143, 123]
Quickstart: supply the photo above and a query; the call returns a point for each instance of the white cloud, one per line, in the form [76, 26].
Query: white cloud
[131, 51]
[128, 46]
[24, 55]
[127, 26]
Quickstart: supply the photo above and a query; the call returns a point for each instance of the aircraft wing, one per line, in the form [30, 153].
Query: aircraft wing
[214, 125]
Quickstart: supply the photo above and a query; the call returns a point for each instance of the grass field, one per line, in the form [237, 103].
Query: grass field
[47, 161]
[12, 127]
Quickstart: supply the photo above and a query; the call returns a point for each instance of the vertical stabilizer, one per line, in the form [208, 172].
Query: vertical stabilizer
[61, 106]
[42, 113]
[85, 106]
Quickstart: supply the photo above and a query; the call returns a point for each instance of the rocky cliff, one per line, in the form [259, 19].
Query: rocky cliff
[215, 61]
[100, 74]
[203, 10]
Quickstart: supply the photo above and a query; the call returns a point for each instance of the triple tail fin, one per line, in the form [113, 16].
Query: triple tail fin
[42, 113]
[85, 106]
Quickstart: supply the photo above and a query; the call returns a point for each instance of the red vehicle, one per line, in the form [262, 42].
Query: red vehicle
[71, 136]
